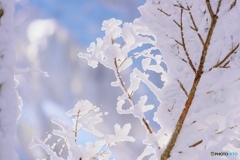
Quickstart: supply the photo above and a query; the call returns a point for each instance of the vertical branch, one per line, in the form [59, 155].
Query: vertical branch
[178, 127]
[183, 44]
[76, 125]
[195, 28]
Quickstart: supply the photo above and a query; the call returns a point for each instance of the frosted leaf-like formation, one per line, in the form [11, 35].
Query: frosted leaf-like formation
[85, 116]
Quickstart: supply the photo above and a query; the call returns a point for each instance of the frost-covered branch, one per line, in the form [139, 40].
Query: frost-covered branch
[97, 150]
[191, 95]
[130, 95]
[183, 44]
[195, 28]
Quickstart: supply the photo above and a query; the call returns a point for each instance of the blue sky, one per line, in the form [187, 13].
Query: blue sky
[83, 18]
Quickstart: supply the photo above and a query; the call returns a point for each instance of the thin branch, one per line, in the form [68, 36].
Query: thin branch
[177, 23]
[233, 4]
[76, 125]
[179, 6]
[225, 58]
[210, 9]
[129, 95]
[184, 45]
[191, 95]
[122, 83]
[182, 87]
[170, 110]
[147, 125]
[164, 12]
[184, 60]
[195, 144]
[218, 7]
[225, 65]
[195, 28]
[122, 62]
[123, 44]
[178, 42]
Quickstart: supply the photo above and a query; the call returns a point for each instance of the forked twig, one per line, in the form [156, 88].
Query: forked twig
[195, 28]
[129, 95]
[225, 58]
[164, 12]
[183, 41]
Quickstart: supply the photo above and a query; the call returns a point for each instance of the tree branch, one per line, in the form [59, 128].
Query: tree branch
[233, 4]
[130, 99]
[164, 12]
[195, 144]
[182, 87]
[225, 58]
[195, 28]
[191, 95]
[218, 7]
[183, 43]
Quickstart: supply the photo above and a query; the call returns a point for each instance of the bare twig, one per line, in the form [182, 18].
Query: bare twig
[122, 62]
[177, 23]
[147, 125]
[218, 7]
[178, 42]
[225, 65]
[195, 144]
[184, 60]
[76, 125]
[195, 28]
[182, 87]
[164, 12]
[225, 58]
[184, 45]
[233, 4]
[129, 95]
[170, 110]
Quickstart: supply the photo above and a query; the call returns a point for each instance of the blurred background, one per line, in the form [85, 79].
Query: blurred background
[49, 36]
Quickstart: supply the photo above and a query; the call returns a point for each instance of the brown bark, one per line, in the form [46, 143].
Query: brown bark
[191, 95]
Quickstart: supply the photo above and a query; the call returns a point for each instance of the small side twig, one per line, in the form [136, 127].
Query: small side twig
[164, 12]
[76, 125]
[225, 58]
[195, 144]
[233, 4]
[182, 87]
[195, 28]
[183, 43]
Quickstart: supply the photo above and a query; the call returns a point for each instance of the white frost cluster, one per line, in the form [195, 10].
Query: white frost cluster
[85, 116]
